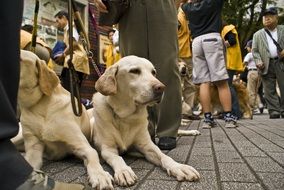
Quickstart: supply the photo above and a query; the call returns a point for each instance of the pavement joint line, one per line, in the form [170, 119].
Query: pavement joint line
[281, 165]
[243, 158]
[57, 172]
[266, 131]
[190, 150]
[140, 182]
[216, 166]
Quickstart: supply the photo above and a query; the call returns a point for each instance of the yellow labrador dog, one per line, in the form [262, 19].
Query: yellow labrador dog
[49, 126]
[124, 92]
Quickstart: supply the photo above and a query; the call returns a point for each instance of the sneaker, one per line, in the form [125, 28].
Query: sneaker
[230, 121]
[208, 123]
[38, 180]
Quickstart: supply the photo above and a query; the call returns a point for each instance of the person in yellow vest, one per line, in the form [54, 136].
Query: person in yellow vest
[42, 49]
[185, 55]
[111, 54]
[234, 62]
[80, 58]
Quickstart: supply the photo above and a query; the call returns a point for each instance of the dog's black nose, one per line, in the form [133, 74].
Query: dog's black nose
[183, 71]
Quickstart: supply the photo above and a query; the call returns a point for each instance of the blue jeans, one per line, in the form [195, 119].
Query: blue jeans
[235, 101]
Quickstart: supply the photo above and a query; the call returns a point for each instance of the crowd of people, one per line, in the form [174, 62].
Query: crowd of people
[192, 31]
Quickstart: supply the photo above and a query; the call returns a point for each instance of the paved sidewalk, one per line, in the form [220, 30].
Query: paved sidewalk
[250, 157]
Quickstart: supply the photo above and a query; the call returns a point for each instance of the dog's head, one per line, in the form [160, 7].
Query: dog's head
[182, 68]
[133, 78]
[36, 79]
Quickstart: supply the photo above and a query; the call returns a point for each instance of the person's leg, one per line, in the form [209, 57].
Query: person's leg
[189, 89]
[280, 80]
[234, 96]
[142, 32]
[214, 53]
[224, 95]
[252, 88]
[14, 169]
[271, 97]
[201, 75]
[205, 97]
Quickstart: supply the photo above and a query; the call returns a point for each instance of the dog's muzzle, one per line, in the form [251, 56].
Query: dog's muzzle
[183, 71]
[158, 91]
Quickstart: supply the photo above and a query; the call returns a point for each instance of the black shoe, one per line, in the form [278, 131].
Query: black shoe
[261, 109]
[274, 116]
[167, 143]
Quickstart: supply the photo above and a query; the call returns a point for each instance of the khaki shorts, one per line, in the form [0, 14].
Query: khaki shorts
[208, 59]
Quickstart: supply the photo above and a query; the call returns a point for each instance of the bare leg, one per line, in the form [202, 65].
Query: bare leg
[224, 95]
[205, 98]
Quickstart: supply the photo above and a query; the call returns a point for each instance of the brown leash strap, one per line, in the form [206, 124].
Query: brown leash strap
[34, 33]
[74, 81]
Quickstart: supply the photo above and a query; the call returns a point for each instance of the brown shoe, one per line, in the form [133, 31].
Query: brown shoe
[38, 180]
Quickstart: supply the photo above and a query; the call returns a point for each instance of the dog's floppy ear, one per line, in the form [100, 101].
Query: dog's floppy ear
[48, 80]
[107, 84]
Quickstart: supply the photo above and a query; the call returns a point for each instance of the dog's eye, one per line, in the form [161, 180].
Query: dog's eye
[154, 72]
[135, 71]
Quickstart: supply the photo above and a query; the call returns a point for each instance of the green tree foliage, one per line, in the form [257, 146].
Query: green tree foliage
[246, 16]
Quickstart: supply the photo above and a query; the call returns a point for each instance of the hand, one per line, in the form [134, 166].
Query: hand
[281, 54]
[101, 6]
[60, 59]
[227, 44]
[260, 66]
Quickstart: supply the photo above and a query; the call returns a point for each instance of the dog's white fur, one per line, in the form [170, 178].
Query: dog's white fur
[49, 126]
[124, 92]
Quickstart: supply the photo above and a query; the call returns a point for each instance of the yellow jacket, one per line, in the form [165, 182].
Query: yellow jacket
[183, 36]
[111, 57]
[233, 53]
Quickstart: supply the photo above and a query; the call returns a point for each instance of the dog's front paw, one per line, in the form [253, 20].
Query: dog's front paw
[195, 132]
[184, 172]
[125, 176]
[101, 180]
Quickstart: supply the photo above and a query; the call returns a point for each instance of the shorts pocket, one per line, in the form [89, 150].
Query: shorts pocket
[211, 45]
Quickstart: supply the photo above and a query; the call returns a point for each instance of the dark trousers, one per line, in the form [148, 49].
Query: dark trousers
[275, 104]
[14, 170]
[235, 101]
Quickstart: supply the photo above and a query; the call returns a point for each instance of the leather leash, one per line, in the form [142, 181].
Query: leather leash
[74, 87]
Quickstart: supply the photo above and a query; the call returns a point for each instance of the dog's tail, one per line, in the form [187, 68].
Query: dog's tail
[19, 139]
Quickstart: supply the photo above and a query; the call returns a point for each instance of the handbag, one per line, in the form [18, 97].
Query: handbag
[116, 9]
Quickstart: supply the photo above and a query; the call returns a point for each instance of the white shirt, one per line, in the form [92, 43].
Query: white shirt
[271, 46]
[75, 32]
[249, 61]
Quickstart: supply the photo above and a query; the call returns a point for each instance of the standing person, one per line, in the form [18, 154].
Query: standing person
[253, 79]
[149, 29]
[208, 56]
[80, 58]
[234, 62]
[15, 172]
[184, 41]
[267, 58]
[110, 54]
